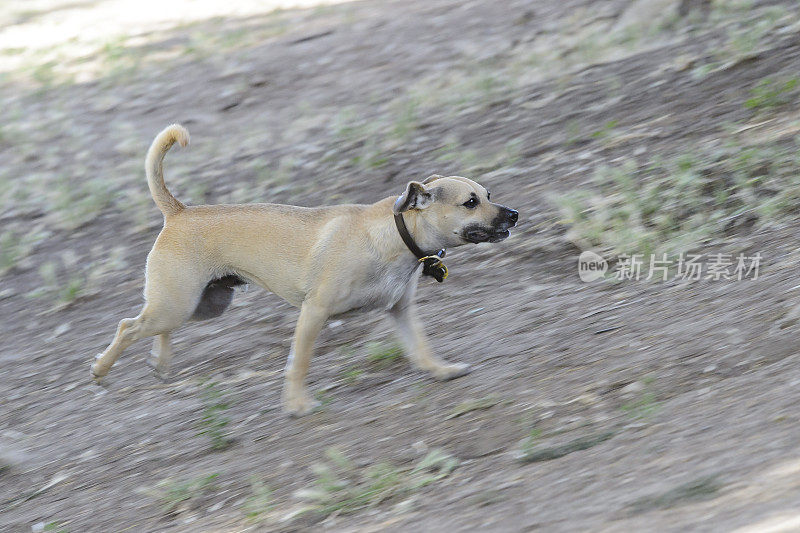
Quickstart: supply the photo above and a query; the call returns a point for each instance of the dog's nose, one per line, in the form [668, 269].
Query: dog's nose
[512, 215]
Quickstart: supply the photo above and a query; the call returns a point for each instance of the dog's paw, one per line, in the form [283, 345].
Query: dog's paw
[161, 375]
[161, 372]
[453, 371]
[299, 405]
[96, 372]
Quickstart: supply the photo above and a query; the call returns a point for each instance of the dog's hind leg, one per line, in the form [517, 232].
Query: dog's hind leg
[172, 292]
[215, 298]
[296, 400]
[412, 336]
[128, 331]
[161, 355]
[151, 321]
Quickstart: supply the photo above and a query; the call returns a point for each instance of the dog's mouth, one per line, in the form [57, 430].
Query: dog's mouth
[478, 234]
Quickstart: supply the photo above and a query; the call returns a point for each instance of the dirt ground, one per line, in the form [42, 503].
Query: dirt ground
[691, 383]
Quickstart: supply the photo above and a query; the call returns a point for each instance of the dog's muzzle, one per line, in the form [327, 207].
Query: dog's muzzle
[498, 231]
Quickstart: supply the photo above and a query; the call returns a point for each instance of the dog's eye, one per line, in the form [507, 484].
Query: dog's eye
[472, 203]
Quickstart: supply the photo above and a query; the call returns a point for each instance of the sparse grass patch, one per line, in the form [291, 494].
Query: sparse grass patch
[606, 130]
[12, 51]
[44, 68]
[533, 438]
[743, 42]
[747, 28]
[114, 58]
[74, 204]
[481, 404]
[270, 178]
[642, 408]
[343, 487]
[119, 60]
[260, 501]
[406, 118]
[44, 73]
[62, 292]
[645, 405]
[532, 451]
[573, 131]
[352, 375]
[72, 289]
[172, 494]
[383, 355]
[323, 398]
[472, 85]
[486, 498]
[203, 42]
[468, 161]
[704, 488]
[56, 527]
[365, 141]
[510, 154]
[674, 205]
[14, 247]
[453, 153]
[214, 421]
[771, 93]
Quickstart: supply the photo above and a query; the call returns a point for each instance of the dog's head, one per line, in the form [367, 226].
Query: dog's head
[452, 211]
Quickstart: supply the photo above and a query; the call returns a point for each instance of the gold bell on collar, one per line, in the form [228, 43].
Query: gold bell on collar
[432, 266]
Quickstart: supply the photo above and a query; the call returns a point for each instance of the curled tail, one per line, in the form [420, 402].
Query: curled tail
[168, 204]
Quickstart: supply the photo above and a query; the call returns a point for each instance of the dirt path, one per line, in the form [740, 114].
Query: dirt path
[691, 389]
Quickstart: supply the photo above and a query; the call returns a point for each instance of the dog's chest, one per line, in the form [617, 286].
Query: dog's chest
[383, 288]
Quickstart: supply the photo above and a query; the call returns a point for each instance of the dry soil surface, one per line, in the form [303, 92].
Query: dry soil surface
[691, 385]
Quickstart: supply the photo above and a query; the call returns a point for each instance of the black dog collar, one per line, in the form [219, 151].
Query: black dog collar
[431, 263]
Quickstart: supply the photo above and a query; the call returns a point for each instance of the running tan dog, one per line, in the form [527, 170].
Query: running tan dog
[325, 260]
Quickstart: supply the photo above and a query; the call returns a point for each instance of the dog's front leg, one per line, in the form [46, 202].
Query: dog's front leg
[296, 400]
[416, 345]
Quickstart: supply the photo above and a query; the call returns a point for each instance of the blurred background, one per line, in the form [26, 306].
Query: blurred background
[622, 127]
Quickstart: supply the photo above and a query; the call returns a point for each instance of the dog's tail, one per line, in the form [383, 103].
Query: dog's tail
[153, 165]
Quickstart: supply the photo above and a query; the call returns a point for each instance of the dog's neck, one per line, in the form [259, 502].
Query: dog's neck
[402, 229]
[387, 238]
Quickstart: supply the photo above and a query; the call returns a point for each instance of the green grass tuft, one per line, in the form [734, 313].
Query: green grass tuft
[481, 404]
[260, 502]
[345, 488]
[533, 452]
[383, 355]
[172, 494]
[214, 421]
[704, 488]
[15, 247]
[770, 93]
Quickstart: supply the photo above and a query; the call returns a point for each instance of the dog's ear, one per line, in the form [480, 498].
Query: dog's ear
[415, 197]
[432, 177]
